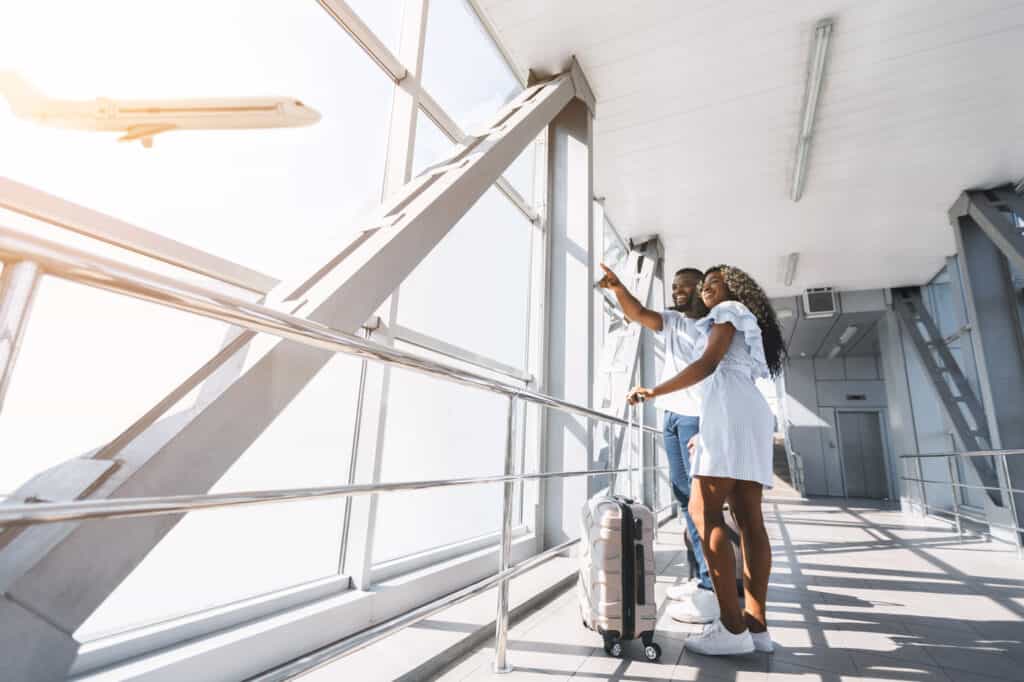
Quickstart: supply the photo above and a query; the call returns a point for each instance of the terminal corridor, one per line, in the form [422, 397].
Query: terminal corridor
[392, 339]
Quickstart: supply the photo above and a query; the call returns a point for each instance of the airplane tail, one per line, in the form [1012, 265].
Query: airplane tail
[23, 98]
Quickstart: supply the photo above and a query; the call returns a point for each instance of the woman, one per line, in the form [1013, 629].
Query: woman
[733, 452]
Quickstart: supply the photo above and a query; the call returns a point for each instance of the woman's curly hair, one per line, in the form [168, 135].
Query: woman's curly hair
[748, 292]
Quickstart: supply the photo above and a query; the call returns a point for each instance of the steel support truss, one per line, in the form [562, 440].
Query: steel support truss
[961, 405]
[994, 212]
[53, 578]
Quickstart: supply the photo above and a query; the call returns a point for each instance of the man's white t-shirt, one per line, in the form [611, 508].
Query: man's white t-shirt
[680, 335]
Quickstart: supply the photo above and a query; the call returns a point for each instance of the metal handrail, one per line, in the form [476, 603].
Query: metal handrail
[967, 486]
[969, 453]
[1007, 491]
[84, 268]
[53, 210]
[34, 513]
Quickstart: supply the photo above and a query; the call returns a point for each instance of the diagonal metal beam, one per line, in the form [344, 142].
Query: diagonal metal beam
[63, 574]
[953, 392]
[997, 227]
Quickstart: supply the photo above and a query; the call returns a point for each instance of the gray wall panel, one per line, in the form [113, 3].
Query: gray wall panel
[838, 394]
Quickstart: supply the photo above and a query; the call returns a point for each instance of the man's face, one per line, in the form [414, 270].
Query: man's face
[684, 291]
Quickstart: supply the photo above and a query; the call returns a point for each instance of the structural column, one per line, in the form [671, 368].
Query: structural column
[570, 366]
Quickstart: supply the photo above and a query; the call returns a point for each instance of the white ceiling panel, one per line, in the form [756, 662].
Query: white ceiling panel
[697, 121]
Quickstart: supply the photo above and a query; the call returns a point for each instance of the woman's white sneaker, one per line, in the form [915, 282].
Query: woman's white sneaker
[701, 607]
[715, 640]
[763, 642]
[683, 591]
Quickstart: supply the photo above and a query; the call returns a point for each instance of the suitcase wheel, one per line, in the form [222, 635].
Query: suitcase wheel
[652, 652]
[613, 647]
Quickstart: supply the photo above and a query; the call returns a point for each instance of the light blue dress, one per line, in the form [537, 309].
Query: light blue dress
[736, 423]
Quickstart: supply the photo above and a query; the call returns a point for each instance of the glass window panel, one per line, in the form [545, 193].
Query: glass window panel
[482, 267]
[462, 67]
[384, 17]
[521, 173]
[271, 547]
[92, 362]
[437, 429]
[433, 146]
[268, 198]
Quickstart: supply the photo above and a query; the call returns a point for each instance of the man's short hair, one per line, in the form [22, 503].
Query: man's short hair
[690, 271]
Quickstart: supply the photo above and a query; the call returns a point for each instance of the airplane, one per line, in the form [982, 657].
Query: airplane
[143, 119]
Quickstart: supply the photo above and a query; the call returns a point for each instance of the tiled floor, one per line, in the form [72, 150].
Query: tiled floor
[857, 593]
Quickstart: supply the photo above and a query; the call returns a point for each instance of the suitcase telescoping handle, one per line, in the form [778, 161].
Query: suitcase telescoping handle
[633, 419]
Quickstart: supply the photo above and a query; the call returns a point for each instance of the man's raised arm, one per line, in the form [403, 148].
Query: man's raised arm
[630, 306]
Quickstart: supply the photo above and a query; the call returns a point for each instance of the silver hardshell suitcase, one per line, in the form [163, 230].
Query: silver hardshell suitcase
[617, 570]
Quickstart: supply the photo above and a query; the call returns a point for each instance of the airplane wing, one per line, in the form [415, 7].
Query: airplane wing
[144, 133]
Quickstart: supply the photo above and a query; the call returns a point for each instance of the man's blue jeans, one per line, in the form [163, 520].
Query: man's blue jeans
[678, 431]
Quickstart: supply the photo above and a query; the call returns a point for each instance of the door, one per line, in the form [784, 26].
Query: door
[860, 446]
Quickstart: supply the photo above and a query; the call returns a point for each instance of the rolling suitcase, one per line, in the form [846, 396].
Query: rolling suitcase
[617, 570]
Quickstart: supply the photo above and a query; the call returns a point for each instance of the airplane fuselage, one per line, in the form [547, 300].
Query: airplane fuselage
[112, 115]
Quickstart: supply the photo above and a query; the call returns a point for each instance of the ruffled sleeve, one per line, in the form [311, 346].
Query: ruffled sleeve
[740, 317]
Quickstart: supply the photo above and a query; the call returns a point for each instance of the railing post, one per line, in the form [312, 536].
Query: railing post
[501, 664]
[954, 484]
[17, 288]
[920, 483]
[1012, 506]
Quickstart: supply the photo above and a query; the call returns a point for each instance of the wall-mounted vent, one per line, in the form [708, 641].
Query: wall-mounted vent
[820, 302]
[856, 396]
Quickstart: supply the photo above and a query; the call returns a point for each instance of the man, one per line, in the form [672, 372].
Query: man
[697, 602]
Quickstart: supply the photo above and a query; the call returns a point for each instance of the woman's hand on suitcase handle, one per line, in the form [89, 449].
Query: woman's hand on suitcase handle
[638, 395]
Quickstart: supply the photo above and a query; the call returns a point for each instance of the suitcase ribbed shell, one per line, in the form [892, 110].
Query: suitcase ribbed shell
[601, 567]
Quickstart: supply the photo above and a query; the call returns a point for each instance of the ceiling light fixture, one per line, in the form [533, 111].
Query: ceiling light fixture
[847, 334]
[812, 92]
[834, 352]
[791, 263]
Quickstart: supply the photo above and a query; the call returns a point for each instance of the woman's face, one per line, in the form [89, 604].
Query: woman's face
[714, 291]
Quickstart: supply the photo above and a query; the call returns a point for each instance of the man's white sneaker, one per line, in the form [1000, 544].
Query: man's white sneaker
[763, 642]
[683, 591]
[715, 640]
[701, 607]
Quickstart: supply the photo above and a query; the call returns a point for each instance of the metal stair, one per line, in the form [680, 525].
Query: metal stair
[961, 405]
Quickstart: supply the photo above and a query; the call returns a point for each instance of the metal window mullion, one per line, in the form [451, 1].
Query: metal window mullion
[442, 347]
[365, 38]
[408, 80]
[535, 429]
[455, 133]
[361, 520]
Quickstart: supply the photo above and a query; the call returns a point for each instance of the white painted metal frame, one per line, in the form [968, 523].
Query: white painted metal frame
[409, 79]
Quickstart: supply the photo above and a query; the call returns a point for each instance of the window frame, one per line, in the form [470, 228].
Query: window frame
[115, 649]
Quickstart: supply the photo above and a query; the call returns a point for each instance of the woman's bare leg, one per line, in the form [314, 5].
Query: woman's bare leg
[745, 501]
[708, 496]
